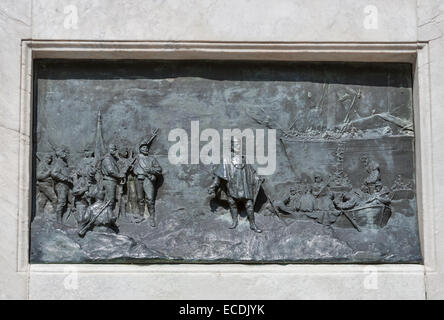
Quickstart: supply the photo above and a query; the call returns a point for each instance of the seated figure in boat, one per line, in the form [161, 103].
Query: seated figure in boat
[323, 196]
[374, 175]
[318, 184]
[307, 201]
[363, 193]
[347, 200]
[322, 209]
[300, 199]
[292, 202]
[380, 196]
[325, 212]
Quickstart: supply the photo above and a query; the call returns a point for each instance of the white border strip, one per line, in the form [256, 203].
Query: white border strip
[340, 52]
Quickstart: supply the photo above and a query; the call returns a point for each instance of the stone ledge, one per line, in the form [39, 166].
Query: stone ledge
[227, 282]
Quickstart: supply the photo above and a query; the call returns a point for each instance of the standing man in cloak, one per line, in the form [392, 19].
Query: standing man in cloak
[240, 183]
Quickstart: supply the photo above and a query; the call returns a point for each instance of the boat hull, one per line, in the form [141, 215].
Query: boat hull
[370, 217]
[403, 194]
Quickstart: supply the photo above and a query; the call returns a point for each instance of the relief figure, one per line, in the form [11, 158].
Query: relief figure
[63, 182]
[147, 171]
[45, 183]
[239, 181]
[99, 216]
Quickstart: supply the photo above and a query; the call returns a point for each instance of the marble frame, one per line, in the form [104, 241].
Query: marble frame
[235, 281]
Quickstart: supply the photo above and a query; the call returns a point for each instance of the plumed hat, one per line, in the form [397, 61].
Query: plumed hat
[148, 141]
[145, 142]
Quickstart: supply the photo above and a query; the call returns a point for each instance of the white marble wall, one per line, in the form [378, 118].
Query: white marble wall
[430, 15]
[326, 21]
[226, 20]
[15, 24]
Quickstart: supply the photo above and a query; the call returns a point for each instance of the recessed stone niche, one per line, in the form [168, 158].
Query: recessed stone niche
[343, 189]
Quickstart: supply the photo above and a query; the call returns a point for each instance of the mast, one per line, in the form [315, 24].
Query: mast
[99, 150]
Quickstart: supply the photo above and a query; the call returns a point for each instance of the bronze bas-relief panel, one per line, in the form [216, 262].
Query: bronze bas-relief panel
[105, 190]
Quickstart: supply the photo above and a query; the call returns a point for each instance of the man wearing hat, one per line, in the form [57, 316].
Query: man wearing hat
[381, 195]
[45, 184]
[63, 181]
[111, 174]
[82, 172]
[146, 170]
[124, 163]
[86, 162]
[374, 174]
[239, 182]
[84, 192]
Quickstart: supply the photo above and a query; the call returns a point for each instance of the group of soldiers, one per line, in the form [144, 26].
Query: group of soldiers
[99, 191]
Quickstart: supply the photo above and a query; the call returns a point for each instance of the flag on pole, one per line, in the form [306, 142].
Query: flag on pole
[99, 150]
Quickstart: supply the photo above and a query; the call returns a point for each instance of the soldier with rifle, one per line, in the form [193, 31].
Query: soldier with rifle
[111, 174]
[61, 175]
[146, 170]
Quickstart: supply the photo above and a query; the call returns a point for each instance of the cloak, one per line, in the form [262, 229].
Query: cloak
[241, 180]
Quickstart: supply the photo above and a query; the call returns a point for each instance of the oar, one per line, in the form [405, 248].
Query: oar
[351, 221]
